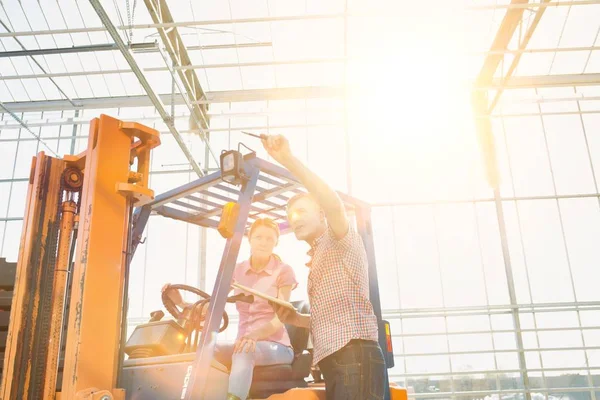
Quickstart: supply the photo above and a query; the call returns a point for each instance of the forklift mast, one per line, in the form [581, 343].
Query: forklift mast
[85, 199]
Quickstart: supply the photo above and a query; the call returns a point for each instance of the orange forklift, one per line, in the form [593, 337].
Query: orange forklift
[84, 219]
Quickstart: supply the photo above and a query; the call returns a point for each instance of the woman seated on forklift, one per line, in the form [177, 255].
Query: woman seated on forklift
[262, 339]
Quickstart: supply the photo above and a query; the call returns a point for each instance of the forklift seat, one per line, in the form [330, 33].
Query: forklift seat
[272, 379]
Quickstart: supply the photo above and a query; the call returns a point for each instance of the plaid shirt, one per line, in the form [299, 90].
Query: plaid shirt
[338, 290]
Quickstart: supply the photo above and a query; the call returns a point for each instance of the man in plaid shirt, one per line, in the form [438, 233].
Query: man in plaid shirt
[342, 322]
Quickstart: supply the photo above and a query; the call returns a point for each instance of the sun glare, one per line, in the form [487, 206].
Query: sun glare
[409, 114]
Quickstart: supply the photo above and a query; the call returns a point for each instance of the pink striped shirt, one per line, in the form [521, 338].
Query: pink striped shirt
[252, 316]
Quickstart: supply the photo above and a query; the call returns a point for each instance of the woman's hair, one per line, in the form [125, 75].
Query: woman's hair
[269, 223]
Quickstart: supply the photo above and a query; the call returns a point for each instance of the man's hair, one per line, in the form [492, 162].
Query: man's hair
[299, 196]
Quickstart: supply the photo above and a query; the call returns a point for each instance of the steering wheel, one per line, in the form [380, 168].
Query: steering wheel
[174, 311]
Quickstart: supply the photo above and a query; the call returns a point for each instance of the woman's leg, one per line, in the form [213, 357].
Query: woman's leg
[223, 353]
[242, 366]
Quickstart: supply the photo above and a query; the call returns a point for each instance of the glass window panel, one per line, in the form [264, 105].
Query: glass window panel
[460, 258]
[569, 379]
[504, 168]
[594, 358]
[425, 344]
[8, 152]
[491, 254]
[592, 337]
[398, 370]
[581, 221]
[590, 318]
[517, 254]
[213, 258]
[66, 130]
[474, 383]
[398, 344]
[527, 321]
[511, 381]
[473, 362]
[17, 90]
[64, 147]
[568, 153]
[12, 238]
[530, 340]
[572, 62]
[581, 27]
[468, 323]
[560, 339]
[507, 361]
[168, 155]
[502, 322]
[473, 342]
[137, 279]
[224, 79]
[50, 131]
[27, 150]
[383, 235]
[556, 319]
[427, 364]
[548, 32]
[417, 258]
[34, 90]
[591, 123]
[423, 325]
[557, 107]
[528, 156]
[66, 85]
[537, 381]
[322, 146]
[162, 266]
[544, 249]
[18, 198]
[562, 359]
[5, 95]
[504, 341]
[533, 360]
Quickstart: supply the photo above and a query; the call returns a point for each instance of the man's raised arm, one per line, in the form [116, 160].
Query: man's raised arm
[278, 147]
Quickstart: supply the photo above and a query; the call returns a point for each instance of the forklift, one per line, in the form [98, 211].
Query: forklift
[85, 217]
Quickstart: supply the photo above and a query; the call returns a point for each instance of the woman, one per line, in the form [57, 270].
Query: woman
[262, 339]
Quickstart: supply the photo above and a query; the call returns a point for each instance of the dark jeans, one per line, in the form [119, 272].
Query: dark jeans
[354, 372]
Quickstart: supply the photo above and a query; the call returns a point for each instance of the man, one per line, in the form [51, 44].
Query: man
[342, 322]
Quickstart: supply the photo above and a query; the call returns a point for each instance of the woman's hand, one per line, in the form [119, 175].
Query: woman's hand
[173, 295]
[284, 314]
[245, 344]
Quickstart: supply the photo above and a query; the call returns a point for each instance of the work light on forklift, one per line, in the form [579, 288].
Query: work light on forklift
[232, 166]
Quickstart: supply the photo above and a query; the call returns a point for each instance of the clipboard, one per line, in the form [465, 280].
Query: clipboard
[272, 299]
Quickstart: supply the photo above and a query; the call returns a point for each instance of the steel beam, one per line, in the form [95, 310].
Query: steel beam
[144, 82]
[186, 69]
[522, 45]
[160, 13]
[230, 96]
[177, 24]
[513, 6]
[507, 28]
[543, 81]
[483, 125]
[136, 47]
[74, 49]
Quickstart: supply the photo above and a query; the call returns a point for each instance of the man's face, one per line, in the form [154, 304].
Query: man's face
[306, 218]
